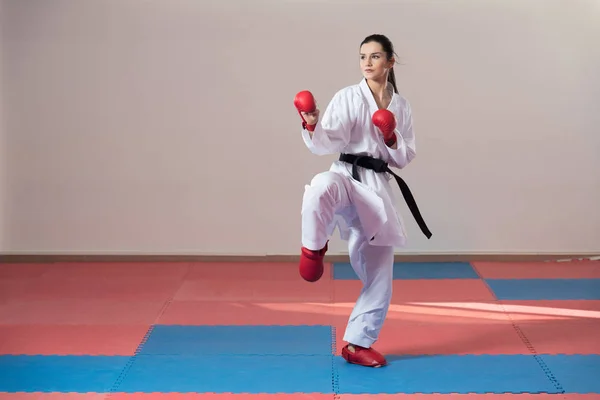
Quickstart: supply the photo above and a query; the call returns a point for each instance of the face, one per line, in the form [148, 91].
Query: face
[373, 62]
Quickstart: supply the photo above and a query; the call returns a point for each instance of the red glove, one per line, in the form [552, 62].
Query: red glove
[305, 102]
[386, 122]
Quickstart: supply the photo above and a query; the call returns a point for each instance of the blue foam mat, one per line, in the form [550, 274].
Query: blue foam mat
[239, 340]
[230, 373]
[300, 374]
[447, 374]
[60, 373]
[545, 289]
[576, 373]
[415, 270]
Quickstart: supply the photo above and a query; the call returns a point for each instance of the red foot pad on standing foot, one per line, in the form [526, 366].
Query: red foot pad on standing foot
[311, 263]
[367, 357]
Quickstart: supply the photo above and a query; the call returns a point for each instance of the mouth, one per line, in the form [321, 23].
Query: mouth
[368, 70]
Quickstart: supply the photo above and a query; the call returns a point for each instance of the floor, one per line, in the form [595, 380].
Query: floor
[257, 331]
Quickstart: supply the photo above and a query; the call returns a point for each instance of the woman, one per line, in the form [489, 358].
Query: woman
[367, 119]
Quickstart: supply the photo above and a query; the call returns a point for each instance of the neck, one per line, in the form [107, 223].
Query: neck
[378, 88]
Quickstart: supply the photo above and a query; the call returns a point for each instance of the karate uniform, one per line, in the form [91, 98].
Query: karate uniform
[363, 210]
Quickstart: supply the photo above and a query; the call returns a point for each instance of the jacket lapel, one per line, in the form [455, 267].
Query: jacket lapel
[370, 100]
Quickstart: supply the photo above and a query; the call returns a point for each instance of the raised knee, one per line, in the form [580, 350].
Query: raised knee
[327, 186]
[326, 178]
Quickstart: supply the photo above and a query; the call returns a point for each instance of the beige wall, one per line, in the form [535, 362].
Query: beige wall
[3, 136]
[168, 126]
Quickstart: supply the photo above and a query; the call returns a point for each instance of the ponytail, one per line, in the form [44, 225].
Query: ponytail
[392, 79]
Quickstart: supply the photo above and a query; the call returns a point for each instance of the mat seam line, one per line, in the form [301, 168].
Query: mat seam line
[334, 371]
[543, 366]
[549, 374]
[115, 386]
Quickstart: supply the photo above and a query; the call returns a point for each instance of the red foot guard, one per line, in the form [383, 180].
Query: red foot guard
[367, 357]
[311, 263]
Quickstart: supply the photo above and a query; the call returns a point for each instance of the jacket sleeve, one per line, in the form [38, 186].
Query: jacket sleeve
[333, 130]
[405, 150]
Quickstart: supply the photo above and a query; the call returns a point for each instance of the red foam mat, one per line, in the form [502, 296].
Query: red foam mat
[563, 337]
[421, 290]
[551, 309]
[219, 396]
[71, 339]
[247, 313]
[12, 288]
[443, 328]
[547, 270]
[468, 396]
[145, 270]
[13, 271]
[82, 311]
[270, 271]
[233, 289]
[558, 326]
[53, 396]
[90, 287]
[295, 396]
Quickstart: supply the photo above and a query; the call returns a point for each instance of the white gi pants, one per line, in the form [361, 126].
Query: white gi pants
[327, 196]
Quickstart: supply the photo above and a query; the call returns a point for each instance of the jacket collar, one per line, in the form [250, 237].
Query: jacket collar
[368, 96]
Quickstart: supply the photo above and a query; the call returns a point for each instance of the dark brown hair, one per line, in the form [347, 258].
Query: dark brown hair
[388, 47]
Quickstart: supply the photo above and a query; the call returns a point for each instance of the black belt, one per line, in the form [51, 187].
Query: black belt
[378, 165]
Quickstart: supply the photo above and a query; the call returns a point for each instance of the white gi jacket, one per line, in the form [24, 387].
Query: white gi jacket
[346, 127]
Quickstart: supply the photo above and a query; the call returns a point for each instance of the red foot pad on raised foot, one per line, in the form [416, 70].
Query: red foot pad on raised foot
[367, 357]
[311, 263]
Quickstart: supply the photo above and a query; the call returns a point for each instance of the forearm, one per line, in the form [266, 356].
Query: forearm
[329, 133]
[322, 142]
[402, 152]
